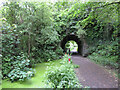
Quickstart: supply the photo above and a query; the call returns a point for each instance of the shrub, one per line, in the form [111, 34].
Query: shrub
[47, 55]
[65, 59]
[6, 66]
[109, 61]
[106, 54]
[17, 69]
[59, 51]
[63, 76]
[18, 74]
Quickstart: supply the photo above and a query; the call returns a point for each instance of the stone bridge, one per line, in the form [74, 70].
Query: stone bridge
[82, 45]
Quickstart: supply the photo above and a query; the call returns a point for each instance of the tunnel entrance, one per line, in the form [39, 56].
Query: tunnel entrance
[72, 38]
[72, 47]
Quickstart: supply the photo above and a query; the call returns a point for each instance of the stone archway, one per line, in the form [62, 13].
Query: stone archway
[74, 38]
[82, 46]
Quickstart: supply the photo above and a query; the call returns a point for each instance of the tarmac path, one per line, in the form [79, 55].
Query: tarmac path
[93, 75]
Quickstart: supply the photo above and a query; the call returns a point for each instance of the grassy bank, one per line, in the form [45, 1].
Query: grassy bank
[34, 82]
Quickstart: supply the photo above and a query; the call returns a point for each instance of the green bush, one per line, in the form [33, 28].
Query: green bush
[20, 75]
[107, 61]
[18, 69]
[59, 51]
[63, 76]
[106, 54]
[65, 59]
[47, 55]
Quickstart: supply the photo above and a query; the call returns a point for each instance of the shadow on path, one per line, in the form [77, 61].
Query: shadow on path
[93, 75]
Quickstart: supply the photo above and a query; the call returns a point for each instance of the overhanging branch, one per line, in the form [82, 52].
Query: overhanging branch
[107, 5]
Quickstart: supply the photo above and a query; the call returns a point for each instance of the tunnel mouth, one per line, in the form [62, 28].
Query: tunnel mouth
[72, 46]
[72, 38]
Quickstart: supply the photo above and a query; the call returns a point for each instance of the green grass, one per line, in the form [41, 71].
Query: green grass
[0, 87]
[34, 82]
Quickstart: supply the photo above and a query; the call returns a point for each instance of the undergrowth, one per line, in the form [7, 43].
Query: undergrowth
[63, 76]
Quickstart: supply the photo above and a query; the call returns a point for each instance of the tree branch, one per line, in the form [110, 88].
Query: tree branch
[107, 5]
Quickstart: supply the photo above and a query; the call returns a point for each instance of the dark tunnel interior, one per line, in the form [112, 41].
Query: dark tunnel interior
[74, 38]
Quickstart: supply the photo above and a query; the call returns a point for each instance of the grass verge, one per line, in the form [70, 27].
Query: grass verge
[34, 82]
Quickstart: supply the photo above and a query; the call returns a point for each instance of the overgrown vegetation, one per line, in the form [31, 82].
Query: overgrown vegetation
[63, 76]
[15, 65]
[32, 33]
[95, 22]
[106, 54]
[34, 82]
[27, 31]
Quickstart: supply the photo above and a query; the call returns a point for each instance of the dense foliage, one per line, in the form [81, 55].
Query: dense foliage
[15, 64]
[95, 22]
[35, 29]
[106, 54]
[32, 33]
[63, 76]
[28, 33]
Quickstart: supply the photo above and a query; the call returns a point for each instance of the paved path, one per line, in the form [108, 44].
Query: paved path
[93, 75]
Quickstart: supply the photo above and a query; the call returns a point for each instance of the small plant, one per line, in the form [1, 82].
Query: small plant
[76, 66]
[66, 59]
